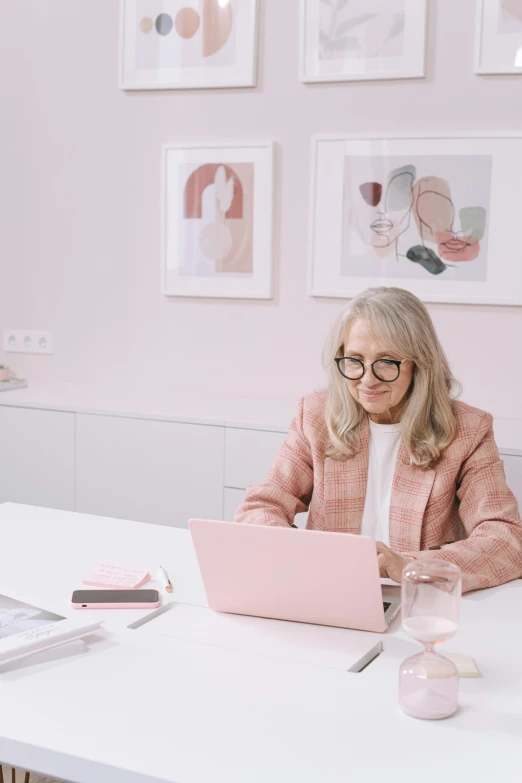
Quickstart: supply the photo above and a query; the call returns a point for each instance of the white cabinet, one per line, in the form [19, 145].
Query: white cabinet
[513, 469]
[136, 468]
[231, 500]
[249, 454]
[150, 471]
[37, 457]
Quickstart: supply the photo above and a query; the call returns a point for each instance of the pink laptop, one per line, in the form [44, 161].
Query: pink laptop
[308, 576]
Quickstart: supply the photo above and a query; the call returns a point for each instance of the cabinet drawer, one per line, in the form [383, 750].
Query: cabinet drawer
[37, 457]
[249, 454]
[513, 470]
[149, 471]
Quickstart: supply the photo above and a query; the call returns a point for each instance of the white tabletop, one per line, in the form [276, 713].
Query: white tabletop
[138, 707]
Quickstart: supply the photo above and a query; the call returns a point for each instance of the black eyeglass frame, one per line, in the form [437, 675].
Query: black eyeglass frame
[396, 362]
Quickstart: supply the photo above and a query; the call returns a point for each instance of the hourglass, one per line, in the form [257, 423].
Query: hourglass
[430, 597]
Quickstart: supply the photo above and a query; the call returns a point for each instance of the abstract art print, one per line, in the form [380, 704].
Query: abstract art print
[431, 214]
[343, 40]
[177, 44]
[426, 210]
[498, 36]
[217, 203]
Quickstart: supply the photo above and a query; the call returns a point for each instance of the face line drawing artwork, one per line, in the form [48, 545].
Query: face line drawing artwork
[428, 199]
[435, 215]
[387, 224]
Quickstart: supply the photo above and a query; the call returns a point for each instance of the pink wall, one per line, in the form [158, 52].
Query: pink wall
[80, 204]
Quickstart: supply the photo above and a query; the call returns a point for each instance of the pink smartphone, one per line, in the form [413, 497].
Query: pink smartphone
[115, 599]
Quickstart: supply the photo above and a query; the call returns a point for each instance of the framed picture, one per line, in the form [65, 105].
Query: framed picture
[178, 44]
[344, 40]
[217, 220]
[436, 214]
[498, 36]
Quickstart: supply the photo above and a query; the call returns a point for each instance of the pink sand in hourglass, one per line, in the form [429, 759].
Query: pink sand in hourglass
[435, 699]
[430, 629]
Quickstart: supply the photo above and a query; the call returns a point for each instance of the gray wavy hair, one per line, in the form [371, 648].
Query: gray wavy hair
[428, 419]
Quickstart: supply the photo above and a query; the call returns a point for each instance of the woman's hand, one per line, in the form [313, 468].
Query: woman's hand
[390, 563]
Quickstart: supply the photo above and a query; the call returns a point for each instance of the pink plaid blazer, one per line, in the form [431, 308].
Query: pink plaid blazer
[461, 508]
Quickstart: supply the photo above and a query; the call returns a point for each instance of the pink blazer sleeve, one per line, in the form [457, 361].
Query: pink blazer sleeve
[492, 552]
[287, 489]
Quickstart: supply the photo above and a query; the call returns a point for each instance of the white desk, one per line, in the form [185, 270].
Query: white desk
[135, 708]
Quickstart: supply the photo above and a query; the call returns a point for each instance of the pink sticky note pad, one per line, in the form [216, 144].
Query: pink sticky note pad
[109, 574]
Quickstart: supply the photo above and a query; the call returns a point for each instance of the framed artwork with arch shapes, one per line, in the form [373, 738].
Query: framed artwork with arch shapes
[187, 44]
[434, 213]
[217, 219]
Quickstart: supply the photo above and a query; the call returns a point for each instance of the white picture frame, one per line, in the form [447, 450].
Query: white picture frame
[457, 205]
[188, 44]
[393, 38]
[498, 37]
[217, 237]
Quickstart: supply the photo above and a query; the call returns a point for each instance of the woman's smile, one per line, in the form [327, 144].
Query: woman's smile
[371, 395]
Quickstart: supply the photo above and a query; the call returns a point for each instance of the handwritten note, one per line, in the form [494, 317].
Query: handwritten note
[109, 574]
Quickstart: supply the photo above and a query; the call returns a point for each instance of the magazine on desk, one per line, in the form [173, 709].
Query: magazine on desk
[27, 629]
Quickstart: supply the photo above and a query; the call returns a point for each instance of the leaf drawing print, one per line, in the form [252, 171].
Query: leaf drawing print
[361, 28]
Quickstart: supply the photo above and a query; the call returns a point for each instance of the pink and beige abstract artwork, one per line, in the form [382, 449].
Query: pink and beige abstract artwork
[216, 225]
[420, 216]
[173, 34]
[363, 29]
[510, 17]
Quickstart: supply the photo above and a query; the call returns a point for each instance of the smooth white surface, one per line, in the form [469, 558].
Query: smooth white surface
[301, 642]
[149, 471]
[385, 440]
[37, 457]
[45, 555]
[249, 455]
[203, 714]
[145, 401]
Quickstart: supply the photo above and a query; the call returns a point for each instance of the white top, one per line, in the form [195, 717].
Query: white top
[384, 445]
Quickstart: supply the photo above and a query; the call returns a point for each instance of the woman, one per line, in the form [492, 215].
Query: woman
[386, 451]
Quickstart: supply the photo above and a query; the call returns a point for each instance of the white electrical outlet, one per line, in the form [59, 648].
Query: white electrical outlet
[24, 341]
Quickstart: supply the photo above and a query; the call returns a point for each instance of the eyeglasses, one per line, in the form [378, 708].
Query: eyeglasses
[385, 370]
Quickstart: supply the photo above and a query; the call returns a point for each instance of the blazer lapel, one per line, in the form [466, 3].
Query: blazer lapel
[411, 490]
[345, 488]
